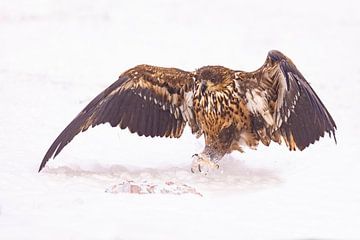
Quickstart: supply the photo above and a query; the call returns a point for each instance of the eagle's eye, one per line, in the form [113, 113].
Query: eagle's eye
[211, 77]
[215, 79]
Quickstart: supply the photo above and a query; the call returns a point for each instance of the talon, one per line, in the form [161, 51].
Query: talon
[203, 164]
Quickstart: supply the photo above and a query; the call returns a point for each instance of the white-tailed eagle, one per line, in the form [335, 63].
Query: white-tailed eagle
[230, 108]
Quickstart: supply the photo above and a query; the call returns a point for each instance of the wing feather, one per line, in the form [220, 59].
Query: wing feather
[298, 113]
[140, 100]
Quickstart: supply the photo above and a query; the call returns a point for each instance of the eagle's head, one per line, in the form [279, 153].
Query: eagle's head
[212, 79]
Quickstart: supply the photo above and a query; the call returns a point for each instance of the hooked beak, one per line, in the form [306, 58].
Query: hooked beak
[203, 87]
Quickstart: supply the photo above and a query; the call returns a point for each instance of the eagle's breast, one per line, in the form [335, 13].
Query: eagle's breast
[220, 109]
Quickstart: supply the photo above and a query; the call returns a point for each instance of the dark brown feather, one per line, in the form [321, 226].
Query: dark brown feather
[129, 102]
[296, 109]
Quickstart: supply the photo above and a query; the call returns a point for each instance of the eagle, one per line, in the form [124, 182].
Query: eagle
[232, 109]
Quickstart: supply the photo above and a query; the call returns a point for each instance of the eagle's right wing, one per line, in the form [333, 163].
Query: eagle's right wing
[151, 101]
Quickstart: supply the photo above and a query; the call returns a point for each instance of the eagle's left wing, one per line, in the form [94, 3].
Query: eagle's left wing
[151, 101]
[283, 104]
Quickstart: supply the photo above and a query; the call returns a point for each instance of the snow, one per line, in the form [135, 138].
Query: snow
[57, 55]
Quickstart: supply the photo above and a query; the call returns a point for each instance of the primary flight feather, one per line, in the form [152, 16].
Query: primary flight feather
[231, 108]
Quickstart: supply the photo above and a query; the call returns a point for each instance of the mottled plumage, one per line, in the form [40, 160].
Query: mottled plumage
[231, 108]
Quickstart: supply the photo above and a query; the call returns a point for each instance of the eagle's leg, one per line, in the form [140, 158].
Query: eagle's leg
[216, 146]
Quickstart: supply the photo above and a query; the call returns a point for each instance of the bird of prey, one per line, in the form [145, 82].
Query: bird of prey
[231, 108]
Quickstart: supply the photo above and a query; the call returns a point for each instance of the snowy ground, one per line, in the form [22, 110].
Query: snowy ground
[55, 56]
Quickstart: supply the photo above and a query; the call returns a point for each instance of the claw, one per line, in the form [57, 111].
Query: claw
[203, 164]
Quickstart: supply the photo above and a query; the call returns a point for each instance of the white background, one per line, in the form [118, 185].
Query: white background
[55, 56]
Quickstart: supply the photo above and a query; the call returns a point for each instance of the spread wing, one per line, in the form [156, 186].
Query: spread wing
[148, 100]
[284, 105]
